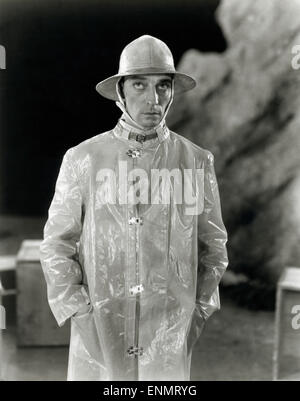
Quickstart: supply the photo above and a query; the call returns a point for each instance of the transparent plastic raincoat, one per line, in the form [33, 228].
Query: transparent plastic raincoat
[149, 271]
[148, 264]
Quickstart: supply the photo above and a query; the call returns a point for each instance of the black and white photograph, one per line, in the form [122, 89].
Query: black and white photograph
[149, 193]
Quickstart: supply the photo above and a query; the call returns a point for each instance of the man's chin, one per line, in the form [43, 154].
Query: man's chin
[150, 122]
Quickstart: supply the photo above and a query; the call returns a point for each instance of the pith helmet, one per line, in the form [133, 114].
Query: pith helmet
[145, 55]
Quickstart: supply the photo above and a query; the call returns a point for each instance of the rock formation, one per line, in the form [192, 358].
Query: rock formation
[246, 110]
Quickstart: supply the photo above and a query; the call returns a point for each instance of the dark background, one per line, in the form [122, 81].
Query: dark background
[56, 52]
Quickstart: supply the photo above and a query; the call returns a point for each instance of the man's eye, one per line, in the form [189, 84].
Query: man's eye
[138, 85]
[164, 86]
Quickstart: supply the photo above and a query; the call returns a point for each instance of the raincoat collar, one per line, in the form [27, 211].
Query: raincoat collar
[127, 125]
[123, 130]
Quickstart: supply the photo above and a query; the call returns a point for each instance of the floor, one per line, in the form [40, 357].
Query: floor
[237, 344]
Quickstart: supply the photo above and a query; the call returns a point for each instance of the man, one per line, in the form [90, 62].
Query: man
[118, 259]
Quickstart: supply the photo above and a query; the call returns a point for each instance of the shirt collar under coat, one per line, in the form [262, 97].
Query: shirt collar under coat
[126, 124]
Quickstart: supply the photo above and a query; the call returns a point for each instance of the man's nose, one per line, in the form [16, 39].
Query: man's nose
[152, 95]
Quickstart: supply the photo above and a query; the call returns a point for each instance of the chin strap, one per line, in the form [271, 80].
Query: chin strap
[159, 127]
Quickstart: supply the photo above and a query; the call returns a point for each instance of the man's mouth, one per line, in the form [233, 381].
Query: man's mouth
[152, 114]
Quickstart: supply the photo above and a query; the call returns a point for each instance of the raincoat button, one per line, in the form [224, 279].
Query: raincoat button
[140, 138]
[135, 350]
[136, 289]
[136, 220]
[134, 153]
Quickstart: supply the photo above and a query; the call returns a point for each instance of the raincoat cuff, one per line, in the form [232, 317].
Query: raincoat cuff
[63, 311]
[206, 310]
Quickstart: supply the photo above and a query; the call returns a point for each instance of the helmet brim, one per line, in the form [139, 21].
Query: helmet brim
[107, 87]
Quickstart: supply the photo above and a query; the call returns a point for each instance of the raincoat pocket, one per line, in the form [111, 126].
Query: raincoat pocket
[86, 328]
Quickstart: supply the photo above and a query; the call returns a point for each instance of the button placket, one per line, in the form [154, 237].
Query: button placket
[136, 287]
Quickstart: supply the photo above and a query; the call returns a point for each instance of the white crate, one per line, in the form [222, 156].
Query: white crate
[35, 321]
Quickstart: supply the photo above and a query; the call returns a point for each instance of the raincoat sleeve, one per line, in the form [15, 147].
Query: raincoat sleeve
[58, 251]
[212, 238]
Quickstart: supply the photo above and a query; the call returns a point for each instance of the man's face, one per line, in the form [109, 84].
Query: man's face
[146, 97]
